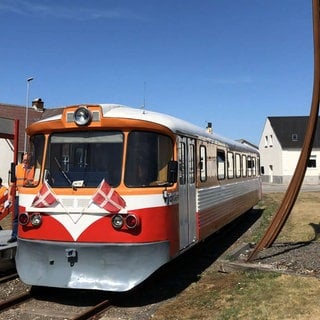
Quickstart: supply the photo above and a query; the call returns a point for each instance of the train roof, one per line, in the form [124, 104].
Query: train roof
[176, 125]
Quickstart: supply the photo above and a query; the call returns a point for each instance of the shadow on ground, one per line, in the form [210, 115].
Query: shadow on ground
[169, 280]
[177, 275]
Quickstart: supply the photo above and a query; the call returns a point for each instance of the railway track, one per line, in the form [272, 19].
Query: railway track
[8, 277]
[31, 305]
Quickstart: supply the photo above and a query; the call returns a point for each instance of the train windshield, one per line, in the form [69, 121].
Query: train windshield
[84, 159]
[148, 155]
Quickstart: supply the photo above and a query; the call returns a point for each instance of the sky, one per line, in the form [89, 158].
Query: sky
[232, 63]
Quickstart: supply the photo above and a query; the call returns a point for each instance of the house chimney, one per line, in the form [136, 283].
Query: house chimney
[209, 127]
[37, 104]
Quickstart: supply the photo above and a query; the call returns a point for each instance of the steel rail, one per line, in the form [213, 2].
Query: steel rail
[89, 313]
[292, 192]
[14, 301]
[8, 277]
[94, 311]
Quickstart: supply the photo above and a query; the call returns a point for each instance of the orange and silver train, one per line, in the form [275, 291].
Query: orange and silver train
[118, 192]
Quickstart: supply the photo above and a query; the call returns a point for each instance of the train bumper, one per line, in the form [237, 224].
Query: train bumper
[99, 266]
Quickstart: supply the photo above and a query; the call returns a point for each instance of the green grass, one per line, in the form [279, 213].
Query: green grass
[269, 206]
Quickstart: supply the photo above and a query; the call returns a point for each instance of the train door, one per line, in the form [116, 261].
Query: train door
[187, 191]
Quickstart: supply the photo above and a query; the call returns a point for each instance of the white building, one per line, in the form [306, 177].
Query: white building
[280, 147]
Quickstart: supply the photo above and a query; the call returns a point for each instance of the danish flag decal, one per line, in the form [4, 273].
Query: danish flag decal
[45, 197]
[108, 199]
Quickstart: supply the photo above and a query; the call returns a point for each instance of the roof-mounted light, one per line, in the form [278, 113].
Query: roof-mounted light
[82, 116]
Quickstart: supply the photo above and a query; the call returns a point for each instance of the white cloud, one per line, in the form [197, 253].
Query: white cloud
[65, 10]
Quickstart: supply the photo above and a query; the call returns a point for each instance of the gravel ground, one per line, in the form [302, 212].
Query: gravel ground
[300, 257]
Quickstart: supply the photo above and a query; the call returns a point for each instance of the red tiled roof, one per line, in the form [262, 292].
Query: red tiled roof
[19, 112]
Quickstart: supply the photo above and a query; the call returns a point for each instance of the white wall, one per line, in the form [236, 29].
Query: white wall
[270, 154]
[6, 157]
[283, 162]
[290, 161]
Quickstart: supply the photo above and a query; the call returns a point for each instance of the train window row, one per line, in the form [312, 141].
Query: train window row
[236, 165]
[230, 164]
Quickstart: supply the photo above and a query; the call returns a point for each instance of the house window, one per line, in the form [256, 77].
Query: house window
[312, 162]
[294, 137]
[266, 142]
[271, 141]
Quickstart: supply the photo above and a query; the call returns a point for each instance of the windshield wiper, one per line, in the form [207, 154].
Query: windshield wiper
[62, 171]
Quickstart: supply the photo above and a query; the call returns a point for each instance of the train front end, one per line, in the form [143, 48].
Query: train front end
[101, 212]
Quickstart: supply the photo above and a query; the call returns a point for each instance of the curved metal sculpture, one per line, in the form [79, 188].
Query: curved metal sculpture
[292, 192]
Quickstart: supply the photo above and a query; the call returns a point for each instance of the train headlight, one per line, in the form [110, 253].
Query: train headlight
[132, 221]
[24, 218]
[36, 219]
[117, 221]
[82, 116]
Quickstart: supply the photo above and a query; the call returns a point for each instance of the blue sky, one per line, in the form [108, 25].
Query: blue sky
[232, 63]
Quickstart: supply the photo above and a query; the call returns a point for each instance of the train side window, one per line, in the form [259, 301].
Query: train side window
[249, 166]
[238, 165]
[221, 160]
[244, 165]
[182, 163]
[230, 165]
[148, 154]
[258, 166]
[203, 163]
[254, 166]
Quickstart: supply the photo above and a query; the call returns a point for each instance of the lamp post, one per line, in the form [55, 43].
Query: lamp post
[27, 107]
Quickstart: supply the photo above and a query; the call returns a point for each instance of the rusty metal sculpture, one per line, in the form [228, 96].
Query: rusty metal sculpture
[292, 192]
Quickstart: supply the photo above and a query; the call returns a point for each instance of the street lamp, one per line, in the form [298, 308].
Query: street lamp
[27, 107]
